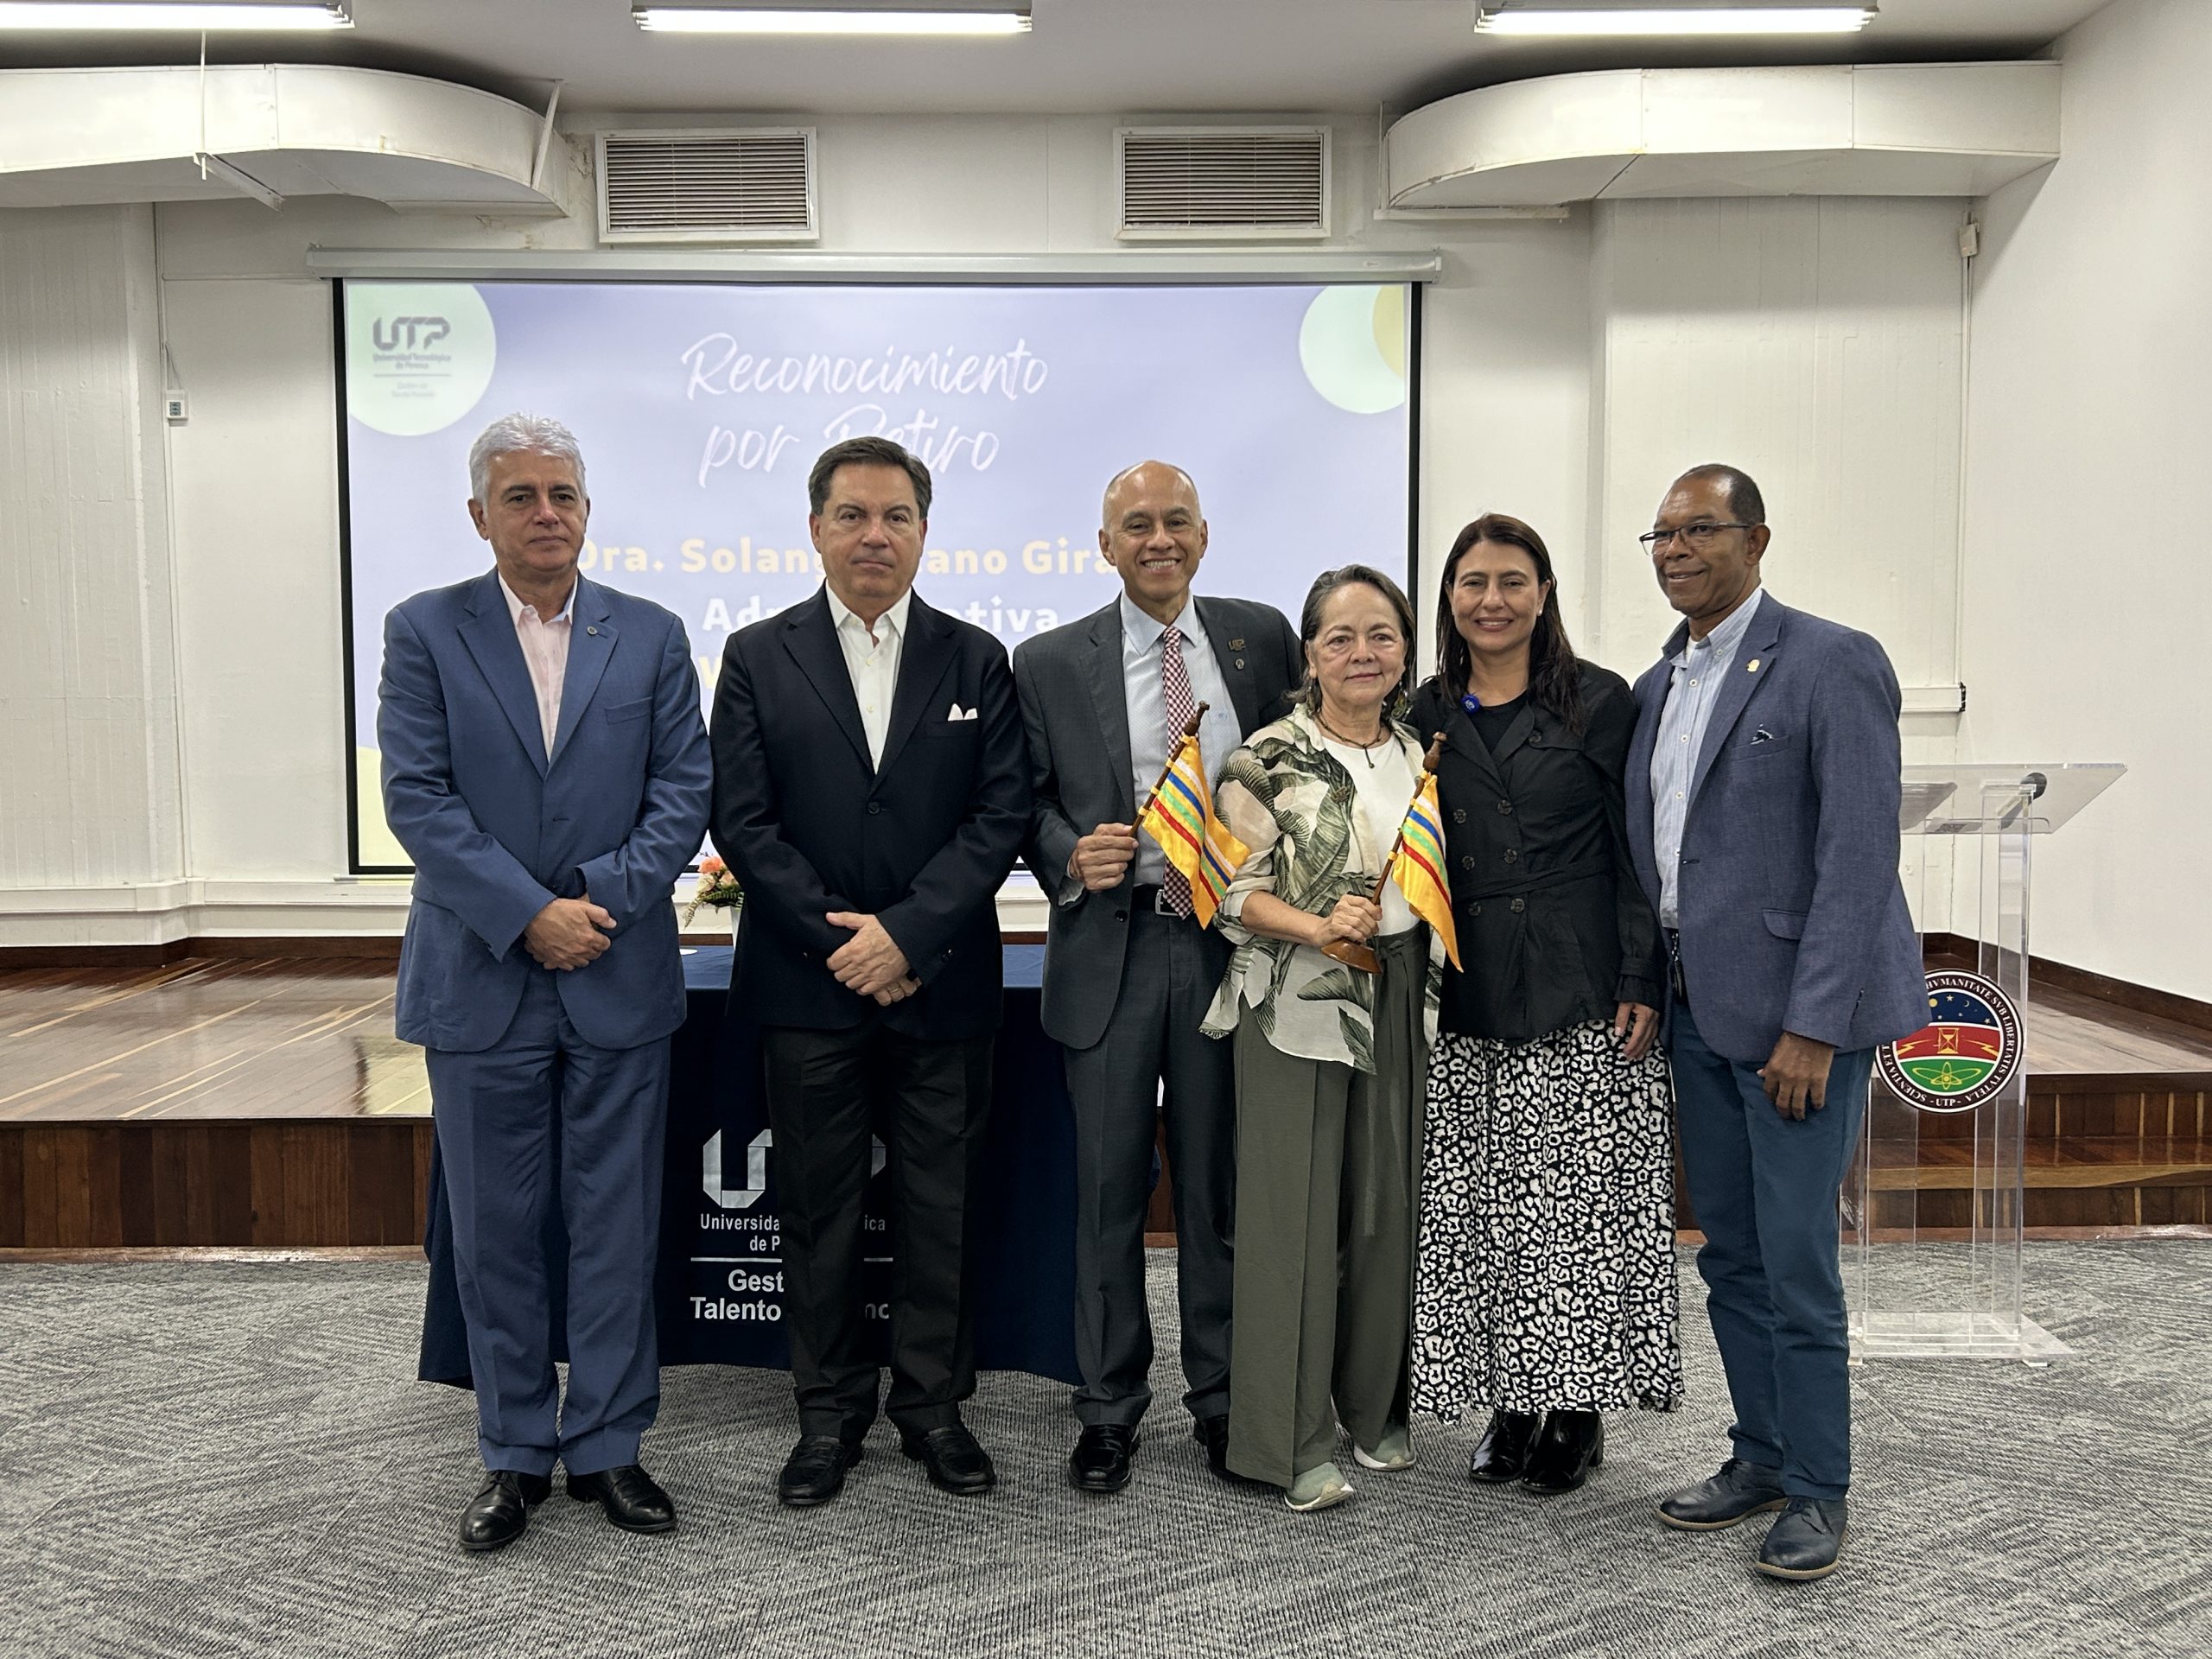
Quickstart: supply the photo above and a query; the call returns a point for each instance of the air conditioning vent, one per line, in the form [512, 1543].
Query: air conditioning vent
[755, 185]
[1214, 182]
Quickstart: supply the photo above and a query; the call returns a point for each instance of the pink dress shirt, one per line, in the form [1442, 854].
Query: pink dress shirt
[545, 649]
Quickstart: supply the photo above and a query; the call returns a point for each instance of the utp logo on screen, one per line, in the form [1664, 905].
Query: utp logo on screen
[408, 334]
[418, 355]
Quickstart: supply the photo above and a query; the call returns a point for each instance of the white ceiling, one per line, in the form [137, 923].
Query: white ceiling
[1083, 56]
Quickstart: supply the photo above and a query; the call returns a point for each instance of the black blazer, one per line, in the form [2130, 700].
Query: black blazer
[1552, 928]
[810, 826]
[1075, 711]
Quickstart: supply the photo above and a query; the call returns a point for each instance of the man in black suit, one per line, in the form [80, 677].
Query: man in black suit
[871, 791]
[1128, 972]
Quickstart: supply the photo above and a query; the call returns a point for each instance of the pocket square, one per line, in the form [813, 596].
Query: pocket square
[957, 713]
[1761, 735]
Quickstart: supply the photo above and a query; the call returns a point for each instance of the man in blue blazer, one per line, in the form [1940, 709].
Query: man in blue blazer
[1763, 794]
[871, 790]
[546, 767]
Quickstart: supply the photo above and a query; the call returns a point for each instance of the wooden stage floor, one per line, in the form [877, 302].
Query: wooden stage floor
[265, 1101]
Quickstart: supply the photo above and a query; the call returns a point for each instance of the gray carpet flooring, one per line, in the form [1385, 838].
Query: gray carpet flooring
[233, 1459]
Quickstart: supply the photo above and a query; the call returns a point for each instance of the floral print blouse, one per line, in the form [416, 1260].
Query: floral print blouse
[1288, 799]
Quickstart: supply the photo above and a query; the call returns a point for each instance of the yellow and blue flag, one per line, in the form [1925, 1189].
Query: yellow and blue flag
[1180, 818]
[1418, 866]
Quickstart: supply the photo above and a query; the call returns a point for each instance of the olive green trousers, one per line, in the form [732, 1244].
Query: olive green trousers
[1327, 1174]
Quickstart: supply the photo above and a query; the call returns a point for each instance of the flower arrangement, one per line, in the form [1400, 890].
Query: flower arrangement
[718, 888]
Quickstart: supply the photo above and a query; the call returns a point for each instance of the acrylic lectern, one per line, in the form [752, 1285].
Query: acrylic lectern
[1934, 1204]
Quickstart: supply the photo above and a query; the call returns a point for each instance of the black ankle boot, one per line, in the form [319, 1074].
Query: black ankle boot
[1573, 1443]
[1503, 1452]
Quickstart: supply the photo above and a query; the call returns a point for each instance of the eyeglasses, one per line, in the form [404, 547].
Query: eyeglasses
[1698, 535]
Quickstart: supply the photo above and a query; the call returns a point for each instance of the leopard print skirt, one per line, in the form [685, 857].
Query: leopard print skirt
[1544, 1275]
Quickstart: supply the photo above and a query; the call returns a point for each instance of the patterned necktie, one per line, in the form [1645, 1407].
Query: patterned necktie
[1175, 691]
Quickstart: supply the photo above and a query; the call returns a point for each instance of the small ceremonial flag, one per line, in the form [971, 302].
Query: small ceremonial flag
[1418, 866]
[1180, 818]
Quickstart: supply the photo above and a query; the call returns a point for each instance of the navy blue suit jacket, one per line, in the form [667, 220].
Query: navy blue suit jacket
[494, 827]
[810, 825]
[1792, 915]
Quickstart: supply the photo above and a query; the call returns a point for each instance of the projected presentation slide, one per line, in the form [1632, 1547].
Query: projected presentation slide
[700, 407]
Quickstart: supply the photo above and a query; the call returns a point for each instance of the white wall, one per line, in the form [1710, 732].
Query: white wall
[1815, 343]
[2089, 587]
[88, 685]
[1548, 348]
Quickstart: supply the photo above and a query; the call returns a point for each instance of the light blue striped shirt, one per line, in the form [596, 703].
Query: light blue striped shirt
[1699, 667]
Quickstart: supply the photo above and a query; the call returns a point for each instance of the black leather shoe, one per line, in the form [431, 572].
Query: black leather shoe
[495, 1517]
[815, 1472]
[955, 1462]
[632, 1499]
[1737, 1490]
[1570, 1445]
[1502, 1454]
[1212, 1433]
[1100, 1462]
[1806, 1539]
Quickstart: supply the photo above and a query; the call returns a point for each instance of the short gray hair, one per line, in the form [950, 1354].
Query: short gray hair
[521, 434]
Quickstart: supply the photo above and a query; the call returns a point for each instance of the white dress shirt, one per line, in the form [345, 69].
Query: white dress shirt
[1384, 790]
[872, 658]
[545, 649]
[1219, 733]
[1700, 667]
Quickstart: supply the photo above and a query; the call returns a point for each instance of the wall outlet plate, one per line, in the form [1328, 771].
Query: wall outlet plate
[176, 409]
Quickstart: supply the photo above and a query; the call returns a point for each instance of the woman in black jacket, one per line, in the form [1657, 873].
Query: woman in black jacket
[1545, 1279]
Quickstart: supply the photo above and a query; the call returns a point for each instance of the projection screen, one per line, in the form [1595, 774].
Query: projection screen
[700, 407]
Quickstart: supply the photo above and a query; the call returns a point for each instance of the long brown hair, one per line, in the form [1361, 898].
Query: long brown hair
[1554, 675]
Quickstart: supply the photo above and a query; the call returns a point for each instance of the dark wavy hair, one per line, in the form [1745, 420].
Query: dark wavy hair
[1309, 628]
[1554, 675]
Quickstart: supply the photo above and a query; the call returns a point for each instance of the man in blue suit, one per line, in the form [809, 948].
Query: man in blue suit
[545, 767]
[1763, 794]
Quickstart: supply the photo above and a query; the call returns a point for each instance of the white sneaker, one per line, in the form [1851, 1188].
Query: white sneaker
[1394, 1452]
[1318, 1488]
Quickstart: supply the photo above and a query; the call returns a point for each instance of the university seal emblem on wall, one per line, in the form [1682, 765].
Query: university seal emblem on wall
[1967, 1051]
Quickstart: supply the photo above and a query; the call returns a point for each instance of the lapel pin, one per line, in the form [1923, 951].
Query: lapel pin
[1240, 662]
[1751, 667]
[1236, 645]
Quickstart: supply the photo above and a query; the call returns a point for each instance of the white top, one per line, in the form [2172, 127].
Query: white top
[1145, 701]
[872, 658]
[1385, 790]
[545, 649]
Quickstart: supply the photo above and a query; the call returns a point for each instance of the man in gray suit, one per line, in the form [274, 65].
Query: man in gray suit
[1763, 794]
[1128, 972]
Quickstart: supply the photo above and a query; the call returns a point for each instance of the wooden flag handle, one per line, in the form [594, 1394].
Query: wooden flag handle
[1190, 730]
[1360, 956]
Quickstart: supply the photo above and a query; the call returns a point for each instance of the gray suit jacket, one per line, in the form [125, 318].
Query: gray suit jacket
[1792, 915]
[1069, 681]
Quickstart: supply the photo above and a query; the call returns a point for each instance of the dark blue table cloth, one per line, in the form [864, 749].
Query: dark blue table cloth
[718, 1282]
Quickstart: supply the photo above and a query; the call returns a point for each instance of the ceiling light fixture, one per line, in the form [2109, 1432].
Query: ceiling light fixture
[1619, 17]
[208, 16]
[955, 21]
